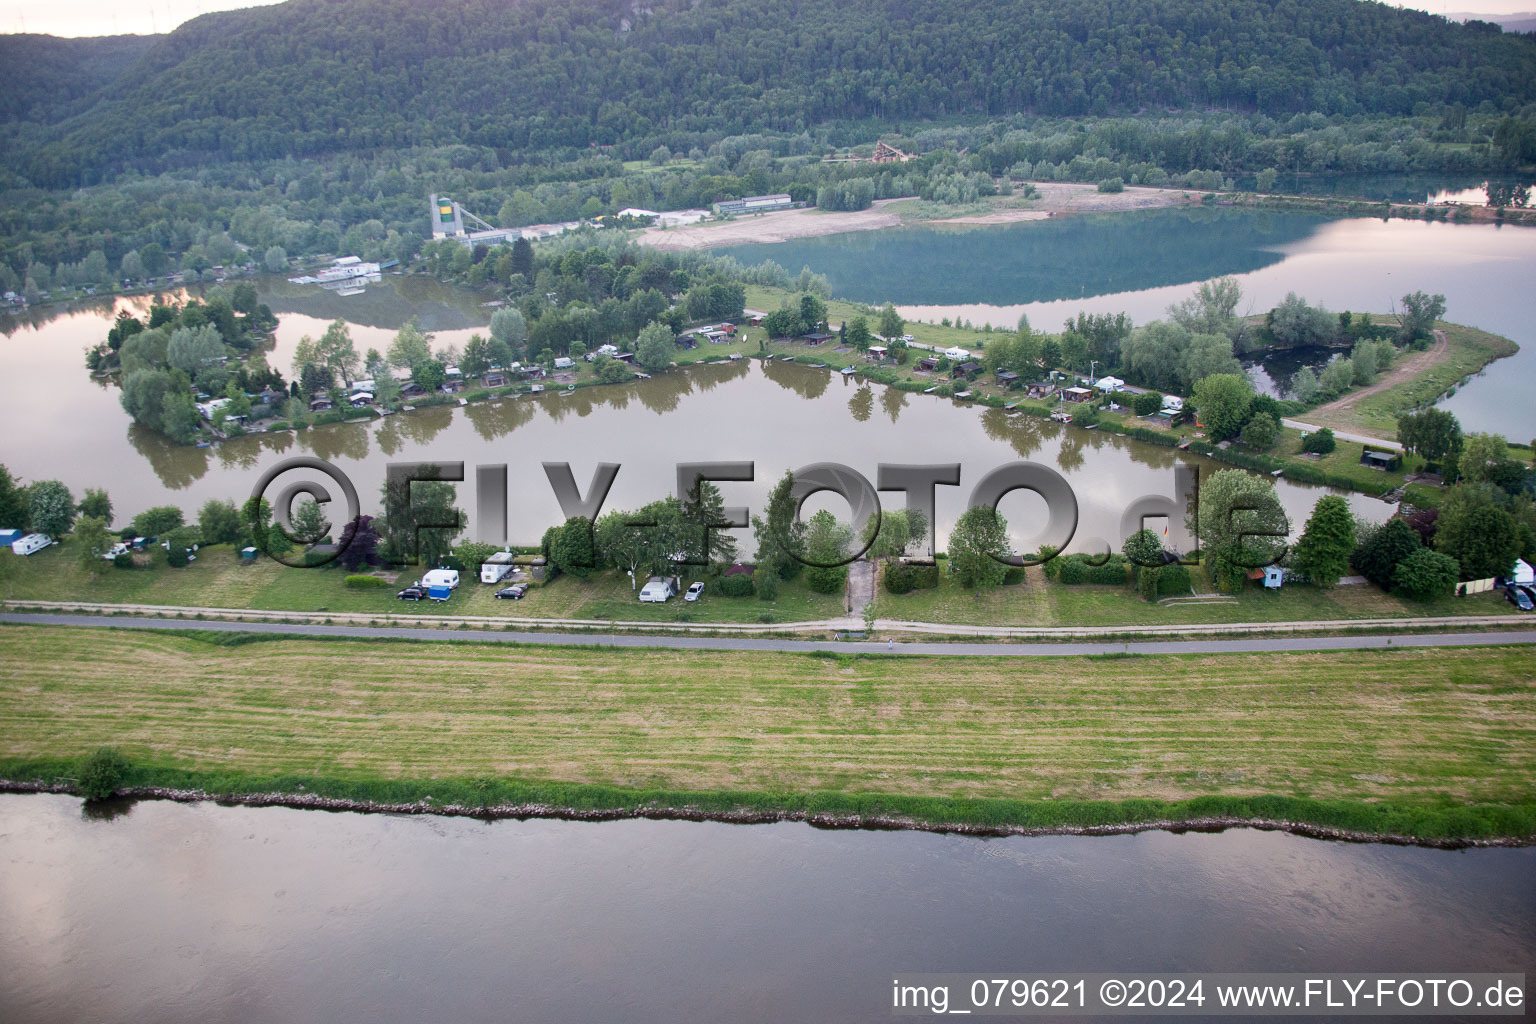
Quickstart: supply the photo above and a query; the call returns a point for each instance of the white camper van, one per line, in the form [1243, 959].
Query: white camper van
[441, 578]
[659, 589]
[30, 543]
[497, 567]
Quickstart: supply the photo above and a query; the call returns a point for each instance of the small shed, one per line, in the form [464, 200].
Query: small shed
[1008, 379]
[927, 365]
[319, 404]
[564, 362]
[1380, 458]
[967, 369]
[816, 339]
[1040, 389]
[1272, 576]
[247, 556]
[877, 352]
[495, 380]
[1076, 394]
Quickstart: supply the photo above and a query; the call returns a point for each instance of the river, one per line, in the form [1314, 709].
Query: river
[162, 911]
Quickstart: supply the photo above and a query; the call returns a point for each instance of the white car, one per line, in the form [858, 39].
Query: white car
[694, 590]
[117, 549]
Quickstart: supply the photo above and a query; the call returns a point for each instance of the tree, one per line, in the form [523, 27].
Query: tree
[1326, 543]
[1294, 324]
[1426, 575]
[95, 504]
[219, 522]
[1481, 455]
[642, 542]
[1223, 400]
[813, 313]
[308, 523]
[191, 349]
[892, 325]
[91, 541]
[1377, 559]
[430, 374]
[1147, 403]
[1319, 442]
[887, 538]
[1473, 529]
[782, 323]
[654, 348]
[778, 532]
[179, 418]
[571, 547]
[703, 510]
[1304, 385]
[1433, 433]
[509, 327]
[409, 508]
[1362, 361]
[51, 508]
[1420, 311]
[476, 358]
[1241, 525]
[336, 351]
[154, 521]
[858, 334]
[979, 539]
[1261, 432]
[275, 259]
[826, 541]
[14, 511]
[1144, 550]
[1212, 309]
[410, 347]
[359, 544]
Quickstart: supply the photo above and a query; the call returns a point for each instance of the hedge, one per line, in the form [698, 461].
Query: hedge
[737, 586]
[1076, 569]
[363, 581]
[903, 577]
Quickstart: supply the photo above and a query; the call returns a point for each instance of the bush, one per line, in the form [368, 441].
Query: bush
[1076, 569]
[1112, 185]
[1173, 579]
[1319, 442]
[101, 773]
[1014, 576]
[364, 581]
[903, 578]
[1146, 403]
[123, 560]
[768, 586]
[1070, 570]
[826, 581]
[737, 586]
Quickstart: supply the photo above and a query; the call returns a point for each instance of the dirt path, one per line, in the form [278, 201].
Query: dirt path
[1339, 414]
[861, 587]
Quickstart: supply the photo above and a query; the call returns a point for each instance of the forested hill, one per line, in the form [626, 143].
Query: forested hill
[42, 77]
[315, 76]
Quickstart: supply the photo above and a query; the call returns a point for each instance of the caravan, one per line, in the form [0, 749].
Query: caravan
[497, 567]
[659, 589]
[448, 578]
[30, 543]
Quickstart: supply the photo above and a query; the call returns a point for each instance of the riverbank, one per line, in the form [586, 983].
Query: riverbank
[1305, 818]
[1293, 740]
[1457, 213]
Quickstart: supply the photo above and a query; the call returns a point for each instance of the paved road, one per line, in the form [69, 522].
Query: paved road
[1024, 650]
[1310, 428]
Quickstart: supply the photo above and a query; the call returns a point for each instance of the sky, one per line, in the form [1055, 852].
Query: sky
[120, 17]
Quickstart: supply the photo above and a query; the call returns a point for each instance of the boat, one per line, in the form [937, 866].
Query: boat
[205, 444]
[848, 371]
[929, 391]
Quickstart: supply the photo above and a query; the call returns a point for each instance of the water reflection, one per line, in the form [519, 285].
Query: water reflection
[350, 440]
[805, 381]
[176, 466]
[862, 404]
[495, 419]
[893, 400]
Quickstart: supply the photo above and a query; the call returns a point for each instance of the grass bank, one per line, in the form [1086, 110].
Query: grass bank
[1432, 744]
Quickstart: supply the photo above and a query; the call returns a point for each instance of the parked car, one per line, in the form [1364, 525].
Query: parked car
[1520, 599]
[694, 590]
[117, 549]
[1528, 590]
[413, 593]
[513, 593]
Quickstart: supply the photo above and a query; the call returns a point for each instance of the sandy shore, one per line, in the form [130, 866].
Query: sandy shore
[1055, 198]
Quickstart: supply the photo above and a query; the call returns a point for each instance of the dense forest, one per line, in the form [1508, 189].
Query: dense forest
[321, 76]
[253, 137]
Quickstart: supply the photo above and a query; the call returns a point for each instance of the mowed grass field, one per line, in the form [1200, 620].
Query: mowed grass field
[1413, 728]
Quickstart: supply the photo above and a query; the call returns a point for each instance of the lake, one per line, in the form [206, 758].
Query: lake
[1141, 263]
[781, 416]
[162, 911]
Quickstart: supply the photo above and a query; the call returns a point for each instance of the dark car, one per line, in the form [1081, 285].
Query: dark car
[1519, 598]
[413, 594]
[513, 593]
